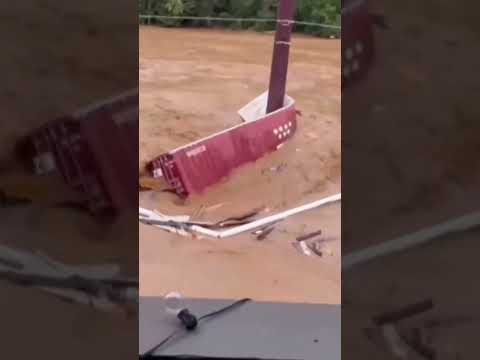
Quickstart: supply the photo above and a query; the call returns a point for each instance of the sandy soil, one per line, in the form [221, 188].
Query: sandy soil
[192, 82]
[412, 148]
[411, 135]
[56, 60]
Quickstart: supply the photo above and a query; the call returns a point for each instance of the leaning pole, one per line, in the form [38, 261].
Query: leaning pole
[281, 52]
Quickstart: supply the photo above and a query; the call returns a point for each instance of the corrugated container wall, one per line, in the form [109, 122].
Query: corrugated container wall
[357, 40]
[194, 167]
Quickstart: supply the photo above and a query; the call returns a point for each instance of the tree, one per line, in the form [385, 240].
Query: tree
[316, 11]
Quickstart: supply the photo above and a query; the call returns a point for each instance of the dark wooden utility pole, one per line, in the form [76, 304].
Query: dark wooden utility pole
[281, 52]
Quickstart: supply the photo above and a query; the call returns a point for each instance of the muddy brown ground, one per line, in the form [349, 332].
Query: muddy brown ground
[56, 60]
[412, 148]
[192, 82]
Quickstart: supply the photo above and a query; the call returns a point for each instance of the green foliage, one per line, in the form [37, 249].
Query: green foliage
[317, 11]
[179, 7]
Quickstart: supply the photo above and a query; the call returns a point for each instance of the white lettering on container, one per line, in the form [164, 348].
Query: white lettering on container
[196, 151]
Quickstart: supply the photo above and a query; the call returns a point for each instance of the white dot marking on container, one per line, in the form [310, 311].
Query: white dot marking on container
[359, 47]
[355, 65]
[349, 54]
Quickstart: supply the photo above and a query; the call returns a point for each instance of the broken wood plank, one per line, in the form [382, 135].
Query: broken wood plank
[309, 236]
[264, 233]
[316, 249]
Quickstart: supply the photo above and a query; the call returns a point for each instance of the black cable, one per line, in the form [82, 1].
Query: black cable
[225, 309]
[203, 317]
[163, 342]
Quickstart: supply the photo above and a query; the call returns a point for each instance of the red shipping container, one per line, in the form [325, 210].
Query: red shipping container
[357, 40]
[94, 149]
[194, 167]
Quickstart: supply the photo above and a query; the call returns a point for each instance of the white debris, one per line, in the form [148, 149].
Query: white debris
[146, 215]
[43, 270]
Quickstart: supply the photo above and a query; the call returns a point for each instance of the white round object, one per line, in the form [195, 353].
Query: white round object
[174, 303]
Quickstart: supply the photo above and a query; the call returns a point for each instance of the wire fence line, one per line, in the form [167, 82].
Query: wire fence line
[240, 20]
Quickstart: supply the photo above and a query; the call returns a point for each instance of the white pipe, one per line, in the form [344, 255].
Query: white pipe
[207, 232]
[144, 213]
[268, 220]
[409, 241]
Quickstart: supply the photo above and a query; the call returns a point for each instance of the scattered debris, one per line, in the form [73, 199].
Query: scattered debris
[262, 234]
[276, 169]
[238, 220]
[403, 313]
[169, 190]
[312, 136]
[389, 339]
[306, 250]
[404, 349]
[309, 236]
[302, 247]
[184, 222]
[315, 247]
[142, 188]
[398, 345]
[98, 286]
[172, 225]
[214, 207]
[199, 212]
[150, 217]
[181, 218]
